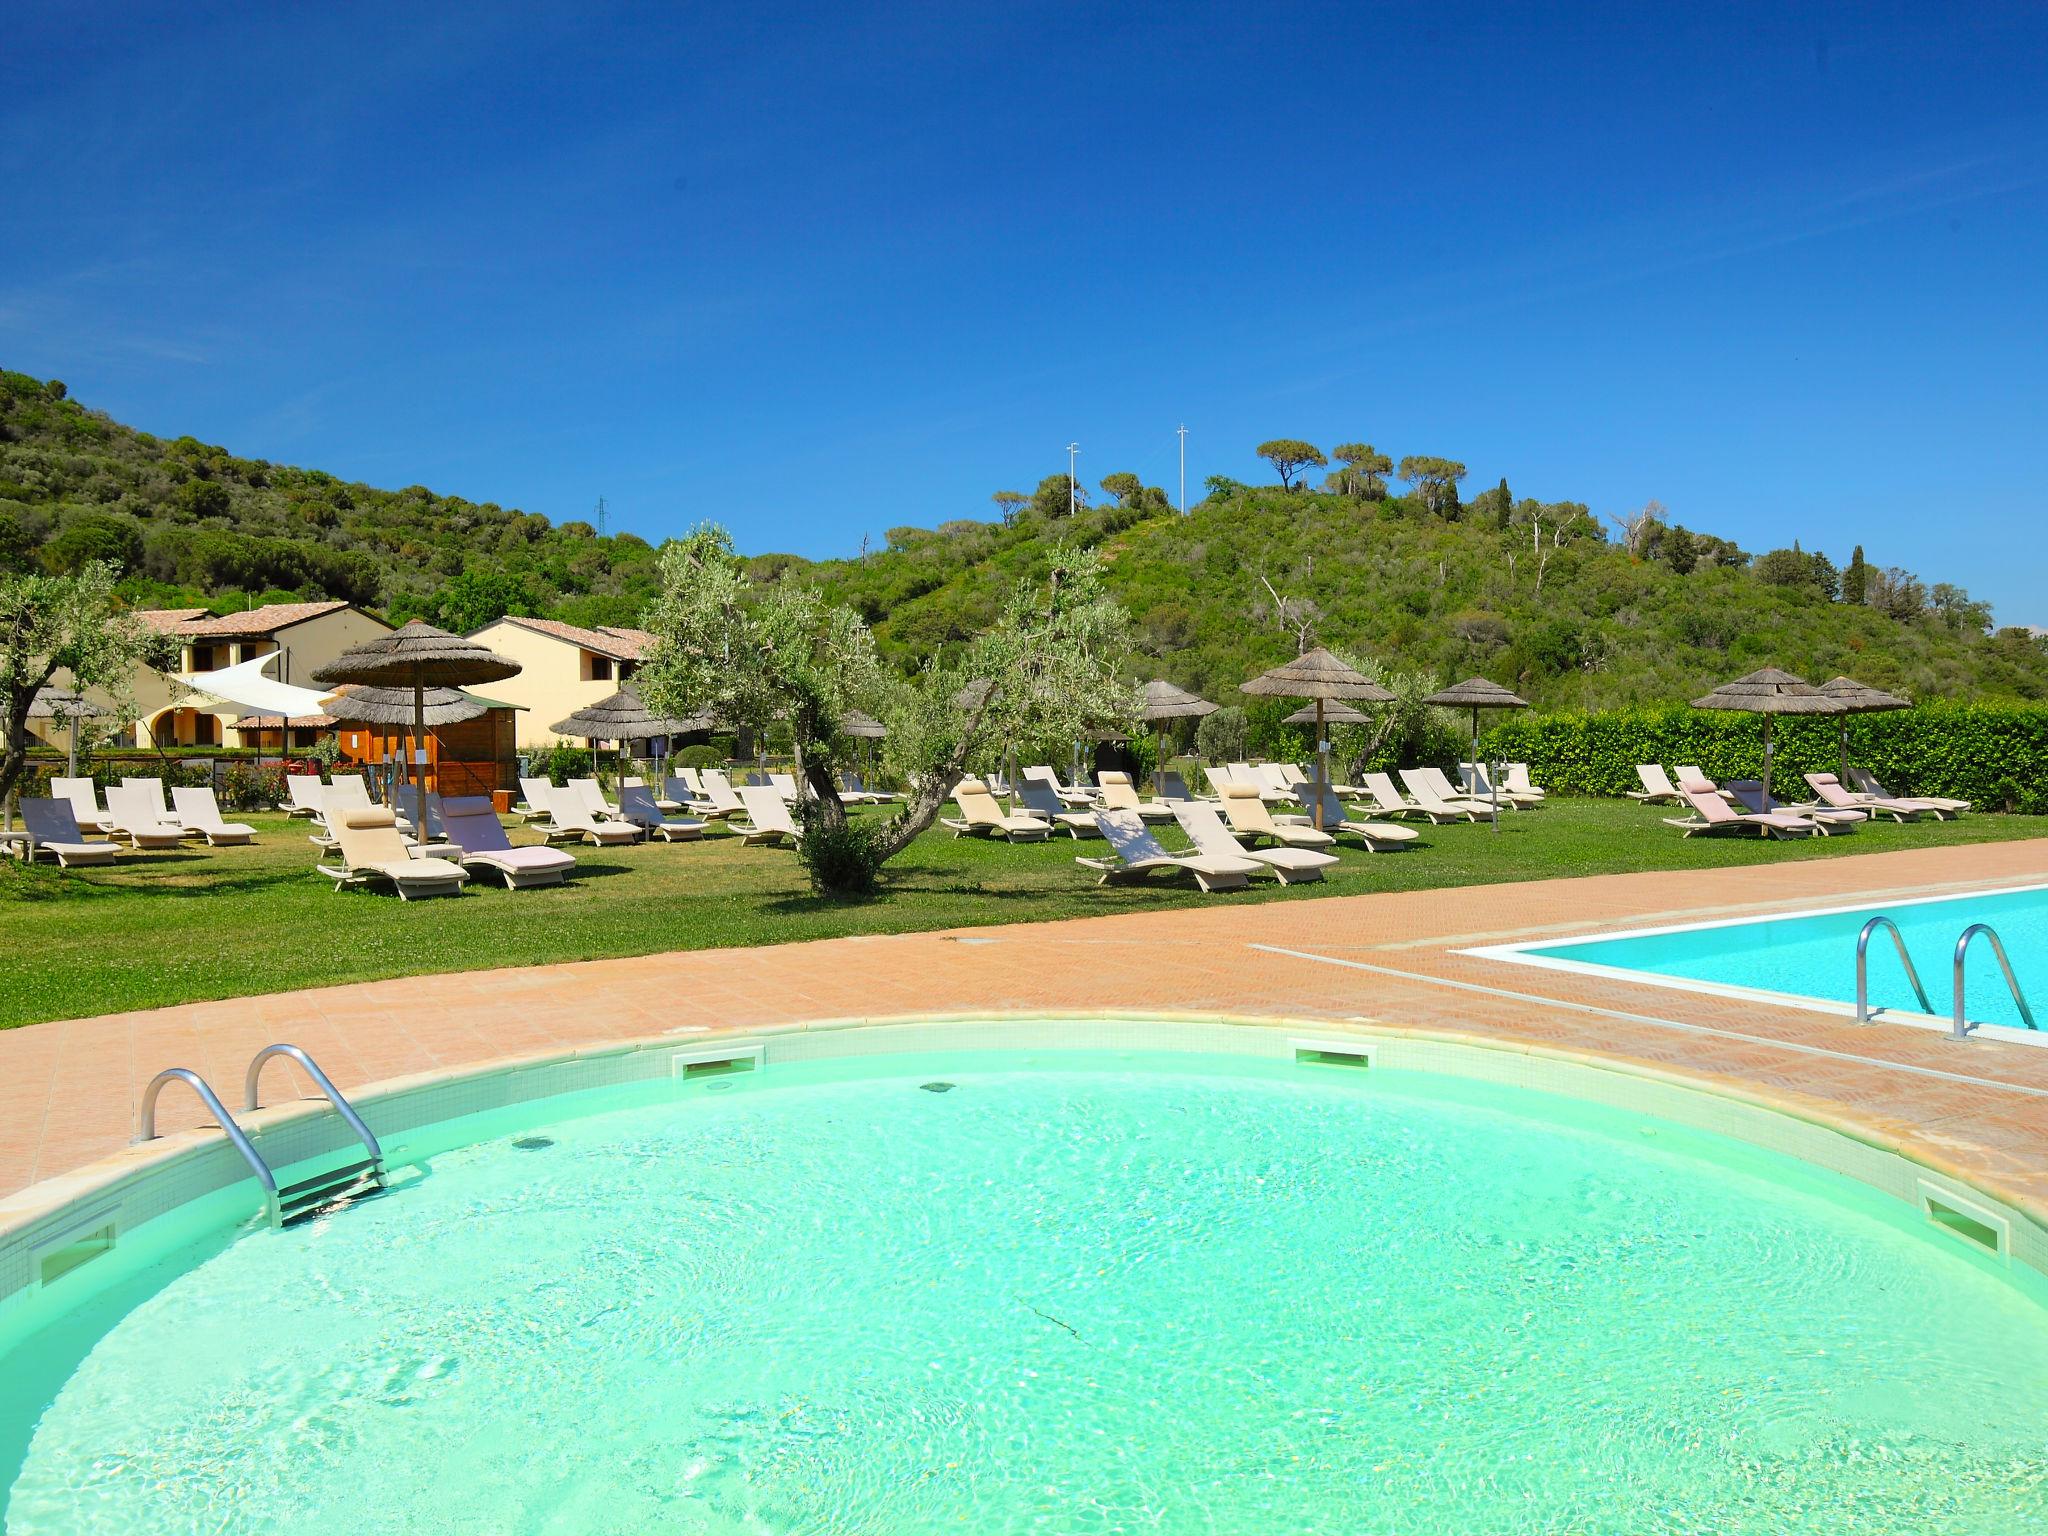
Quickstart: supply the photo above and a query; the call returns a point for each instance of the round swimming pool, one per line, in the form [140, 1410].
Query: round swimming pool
[1055, 1294]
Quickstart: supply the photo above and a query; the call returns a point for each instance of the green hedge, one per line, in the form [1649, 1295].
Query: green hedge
[1995, 755]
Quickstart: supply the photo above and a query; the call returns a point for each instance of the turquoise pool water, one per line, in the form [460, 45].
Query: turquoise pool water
[1815, 956]
[1167, 1294]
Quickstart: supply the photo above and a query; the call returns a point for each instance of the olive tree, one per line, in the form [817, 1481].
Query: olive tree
[72, 624]
[750, 653]
[1049, 670]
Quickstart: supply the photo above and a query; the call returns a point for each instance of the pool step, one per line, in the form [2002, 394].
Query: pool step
[324, 1192]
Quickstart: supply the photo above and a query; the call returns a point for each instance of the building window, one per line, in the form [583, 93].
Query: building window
[598, 669]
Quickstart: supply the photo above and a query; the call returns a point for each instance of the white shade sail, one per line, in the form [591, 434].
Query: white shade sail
[245, 687]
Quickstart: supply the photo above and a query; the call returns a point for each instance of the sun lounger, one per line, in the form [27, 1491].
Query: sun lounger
[1377, 836]
[1440, 785]
[368, 846]
[305, 791]
[1519, 781]
[473, 827]
[533, 800]
[1863, 782]
[1749, 794]
[1245, 773]
[1173, 787]
[768, 820]
[199, 811]
[153, 799]
[636, 804]
[1482, 787]
[590, 795]
[346, 792]
[569, 818]
[1713, 816]
[784, 784]
[664, 802]
[1250, 819]
[1831, 794]
[52, 829]
[1657, 786]
[1138, 854]
[131, 809]
[854, 791]
[1290, 866]
[980, 816]
[1120, 794]
[1042, 801]
[1684, 771]
[1426, 799]
[1069, 794]
[84, 801]
[720, 798]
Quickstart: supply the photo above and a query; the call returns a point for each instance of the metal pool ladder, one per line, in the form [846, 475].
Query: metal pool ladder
[1863, 967]
[308, 1197]
[1959, 1027]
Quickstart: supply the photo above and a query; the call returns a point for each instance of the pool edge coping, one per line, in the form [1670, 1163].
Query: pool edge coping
[62, 1202]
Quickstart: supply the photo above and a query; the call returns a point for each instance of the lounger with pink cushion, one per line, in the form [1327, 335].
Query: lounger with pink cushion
[1714, 816]
[1829, 789]
[473, 826]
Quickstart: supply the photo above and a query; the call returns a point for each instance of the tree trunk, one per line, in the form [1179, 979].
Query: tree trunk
[14, 757]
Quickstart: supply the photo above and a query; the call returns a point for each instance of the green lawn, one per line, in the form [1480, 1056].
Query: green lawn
[176, 927]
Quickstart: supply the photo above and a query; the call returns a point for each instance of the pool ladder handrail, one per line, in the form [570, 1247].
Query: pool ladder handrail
[1959, 1027]
[253, 1100]
[308, 1196]
[1863, 967]
[145, 1126]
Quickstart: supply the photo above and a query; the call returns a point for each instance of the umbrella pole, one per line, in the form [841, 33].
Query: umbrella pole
[71, 761]
[419, 726]
[1842, 751]
[1767, 762]
[1322, 766]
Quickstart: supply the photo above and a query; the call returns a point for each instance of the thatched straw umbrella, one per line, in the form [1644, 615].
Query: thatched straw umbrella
[1770, 693]
[417, 656]
[623, 718]
[1319, 676]
[864, 728]
[1475, 694]
[1164, 702]
[63, 704]
[1856, 699]
[1333, 714]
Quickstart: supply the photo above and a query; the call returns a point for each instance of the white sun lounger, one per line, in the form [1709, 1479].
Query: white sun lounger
[84, 799]
[131, 808]
[1138, 854]
[1440, 803]
[305, 793]
[1657, 786]
[569, 818]
[368, 846]
[1519, 781]
[980, 816]
[52, 829]
[590, 794]
[1377, 836]
[636, 804]
[474, 827]
[1445, 791]
[721, 799]
[854, 790]
[1479, 786]
[768, 820]
[1069, 794]
[1042, 801]
[199, 811]
[1290, 866]
[533, 799]
[1749, 794]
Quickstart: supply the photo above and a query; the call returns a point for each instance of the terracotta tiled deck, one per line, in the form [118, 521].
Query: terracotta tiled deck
[68, 1090]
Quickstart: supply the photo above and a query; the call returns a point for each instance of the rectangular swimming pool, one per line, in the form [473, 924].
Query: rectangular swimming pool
[1809, 958]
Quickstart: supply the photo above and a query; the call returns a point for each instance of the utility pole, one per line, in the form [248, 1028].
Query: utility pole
[1181, 432]
[600, 517]
[1073, 503]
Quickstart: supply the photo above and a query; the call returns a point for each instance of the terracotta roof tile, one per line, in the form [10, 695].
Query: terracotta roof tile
[259, 621]
[616, 641]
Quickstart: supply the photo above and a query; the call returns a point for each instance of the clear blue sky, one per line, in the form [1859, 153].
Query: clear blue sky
[818, 271]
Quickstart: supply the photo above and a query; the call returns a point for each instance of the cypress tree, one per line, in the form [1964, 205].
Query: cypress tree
[1855, 580]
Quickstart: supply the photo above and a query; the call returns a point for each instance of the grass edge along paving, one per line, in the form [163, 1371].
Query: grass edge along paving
[201, 924]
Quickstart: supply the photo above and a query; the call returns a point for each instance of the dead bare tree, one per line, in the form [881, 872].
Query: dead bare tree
[1295, 615]
[1636, 527]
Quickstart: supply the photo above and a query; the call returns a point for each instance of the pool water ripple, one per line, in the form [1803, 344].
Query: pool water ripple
[1141, 1298]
